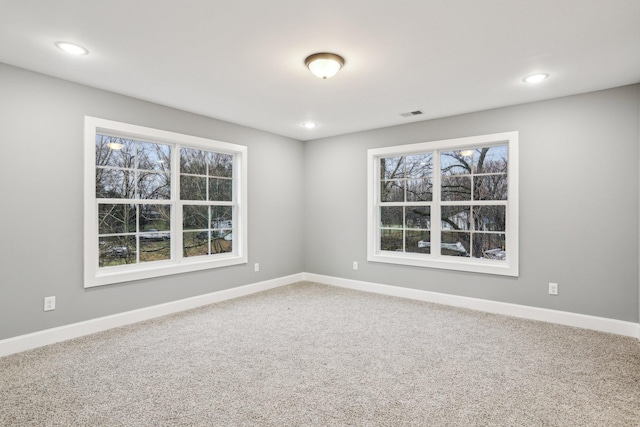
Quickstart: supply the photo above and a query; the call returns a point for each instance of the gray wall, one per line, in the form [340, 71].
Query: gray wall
[578, 204]
[41, 173]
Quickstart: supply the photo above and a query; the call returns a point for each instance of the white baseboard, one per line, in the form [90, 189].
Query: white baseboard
[584, 321]
[75, 330]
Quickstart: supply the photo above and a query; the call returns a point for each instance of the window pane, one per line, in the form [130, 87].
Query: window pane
[193, 188]
[489, 218]
[391, 216]
[456, 162]
[456, 217]
[456, 188]
[117, 250]
[490, 187]
[154, 185]
[221, 165]
[392, 191]
[418, 241]
[103, 152]
[391, 240]
[418, 217]
[116, 219]
[154, 157]
[455, 243]
[419, 165]
[489, 246]
[155, 249]
[195, 243]
[193, 161]
[491, 160]
[155, 219]
[114, 184]
[221, 217]
[113, 151]
[220, 190]
[221, 242]
[419, 190]
[195, 217]
[392, 167]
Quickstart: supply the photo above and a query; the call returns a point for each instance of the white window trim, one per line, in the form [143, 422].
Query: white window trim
[95, 276]
[508, 267]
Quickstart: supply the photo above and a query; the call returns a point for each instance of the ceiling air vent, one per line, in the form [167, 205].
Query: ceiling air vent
[411, 113]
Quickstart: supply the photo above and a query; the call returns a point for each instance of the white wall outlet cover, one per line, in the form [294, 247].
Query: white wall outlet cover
[49, 303]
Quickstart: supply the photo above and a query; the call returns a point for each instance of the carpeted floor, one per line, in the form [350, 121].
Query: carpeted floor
[315, 355]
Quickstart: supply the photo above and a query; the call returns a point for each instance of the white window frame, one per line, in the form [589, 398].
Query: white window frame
[96, 276]
[507, 267]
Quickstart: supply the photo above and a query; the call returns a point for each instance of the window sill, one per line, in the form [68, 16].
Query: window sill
[121, 274]
[501, 268]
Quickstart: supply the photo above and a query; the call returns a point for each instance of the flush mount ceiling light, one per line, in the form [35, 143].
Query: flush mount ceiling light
[309, 125]
[535, 78]
[324, 65]
[72, 48]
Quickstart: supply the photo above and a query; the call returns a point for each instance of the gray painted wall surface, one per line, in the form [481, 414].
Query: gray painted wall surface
[578, 204]
[41, 173]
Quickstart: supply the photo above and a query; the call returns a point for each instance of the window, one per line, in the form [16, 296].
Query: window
[447, 204]
[159, 203]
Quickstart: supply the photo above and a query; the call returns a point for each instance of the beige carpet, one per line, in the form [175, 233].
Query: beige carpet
[314, 355]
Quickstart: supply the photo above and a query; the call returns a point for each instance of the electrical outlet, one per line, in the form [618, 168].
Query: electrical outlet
[355, 265]
[553, 289]
[256, 267]
[49, 303]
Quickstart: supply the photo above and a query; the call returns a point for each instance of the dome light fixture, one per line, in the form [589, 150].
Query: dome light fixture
[72, 48]
[309, 125]
[324, 65]
[535, 78]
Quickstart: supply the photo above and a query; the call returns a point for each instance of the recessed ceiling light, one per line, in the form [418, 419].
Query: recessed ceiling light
[72, 48]
[535, 78]
[309, 125]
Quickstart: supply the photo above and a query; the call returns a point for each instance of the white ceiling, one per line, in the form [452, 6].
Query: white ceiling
[243, 61]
